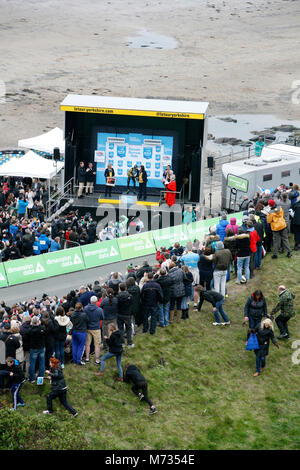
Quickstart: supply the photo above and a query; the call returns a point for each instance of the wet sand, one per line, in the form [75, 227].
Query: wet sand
[240, 56]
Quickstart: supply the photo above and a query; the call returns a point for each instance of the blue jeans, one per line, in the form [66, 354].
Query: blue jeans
[60, 350]
[36, 355]
[258, 256]
[219, 309]
[118, 357]
[163, 313]
[260, 362]
[78, 344]
[243, 263]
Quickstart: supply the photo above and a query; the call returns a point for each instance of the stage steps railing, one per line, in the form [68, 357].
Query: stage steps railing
[53, 207]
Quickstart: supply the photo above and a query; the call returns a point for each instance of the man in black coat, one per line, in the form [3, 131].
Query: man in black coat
[151, 295]
[81, 175]
[145, 268]
[142, 178]
[296, 224]
[37, 339]
[217, 300]
[133, 374]
[125, 313]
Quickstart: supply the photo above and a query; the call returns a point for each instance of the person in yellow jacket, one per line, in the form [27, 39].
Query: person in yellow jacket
[279, 229]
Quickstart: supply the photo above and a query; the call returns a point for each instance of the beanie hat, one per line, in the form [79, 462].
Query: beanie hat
[130, 266]
[94, 299]
[245, 218]
[271, 202]
[220, 245]
[251, 209]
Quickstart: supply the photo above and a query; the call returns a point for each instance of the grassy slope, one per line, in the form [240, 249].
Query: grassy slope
[200, 379]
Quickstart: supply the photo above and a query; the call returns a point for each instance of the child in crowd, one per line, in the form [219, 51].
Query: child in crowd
[114, 341]
[58, 388]
[264, 333]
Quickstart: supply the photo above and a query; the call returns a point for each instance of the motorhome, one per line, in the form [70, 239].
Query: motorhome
[278, 164]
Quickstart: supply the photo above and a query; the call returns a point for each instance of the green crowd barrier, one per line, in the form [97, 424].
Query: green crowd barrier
[136, 245]
[168, 236]
[63, 261]
[3, 280]
[25, 270]
[188, 232]
[98, 254]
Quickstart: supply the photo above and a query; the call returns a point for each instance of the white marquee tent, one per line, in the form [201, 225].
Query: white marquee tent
[31, 165]
[45, 142]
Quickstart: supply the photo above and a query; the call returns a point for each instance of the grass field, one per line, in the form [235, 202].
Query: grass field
[200, 379]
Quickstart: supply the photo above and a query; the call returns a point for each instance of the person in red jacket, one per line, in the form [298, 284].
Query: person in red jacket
[254, 238]
[170, 191]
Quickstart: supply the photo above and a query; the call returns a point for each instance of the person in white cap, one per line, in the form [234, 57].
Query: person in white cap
[94, 315]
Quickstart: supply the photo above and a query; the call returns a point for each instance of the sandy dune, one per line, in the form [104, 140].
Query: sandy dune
[241, 56]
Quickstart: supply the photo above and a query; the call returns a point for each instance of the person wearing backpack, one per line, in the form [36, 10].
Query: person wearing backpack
[287, 311]
[265, 333]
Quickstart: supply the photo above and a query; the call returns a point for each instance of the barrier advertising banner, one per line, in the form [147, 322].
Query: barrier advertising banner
[62, 262]
[136, 245]
[168, 236]
[98, 254]
[3, 280]
[25, 270]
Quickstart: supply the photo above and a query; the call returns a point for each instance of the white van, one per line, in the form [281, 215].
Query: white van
[278, 164]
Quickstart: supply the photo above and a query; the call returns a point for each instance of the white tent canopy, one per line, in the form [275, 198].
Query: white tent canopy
[45, 142]
[31, 165]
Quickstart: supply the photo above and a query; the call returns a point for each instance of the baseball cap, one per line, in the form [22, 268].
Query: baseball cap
[94, 299]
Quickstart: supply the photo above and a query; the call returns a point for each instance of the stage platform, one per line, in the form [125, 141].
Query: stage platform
[153, 214]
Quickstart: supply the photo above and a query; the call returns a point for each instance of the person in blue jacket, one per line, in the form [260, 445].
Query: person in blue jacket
[36, 247]
[13, 229]
[44, 243]
[55, 245]
[22, 206]
[221, 227]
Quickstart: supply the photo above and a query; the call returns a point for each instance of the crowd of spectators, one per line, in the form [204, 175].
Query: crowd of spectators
[148, 296]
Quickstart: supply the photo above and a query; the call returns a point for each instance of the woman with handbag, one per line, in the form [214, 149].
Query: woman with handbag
[255, 309]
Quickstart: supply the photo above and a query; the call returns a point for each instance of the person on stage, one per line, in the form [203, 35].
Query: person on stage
[81, 174]
[132, 175]
[167, 173]
[170, 191]
[109, 173]
[142, 183]
[90, 175]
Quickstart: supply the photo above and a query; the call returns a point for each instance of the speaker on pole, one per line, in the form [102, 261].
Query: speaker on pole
[56, 153]
[210, 163]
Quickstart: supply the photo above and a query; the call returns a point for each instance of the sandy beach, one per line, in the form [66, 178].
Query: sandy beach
[241, 56]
